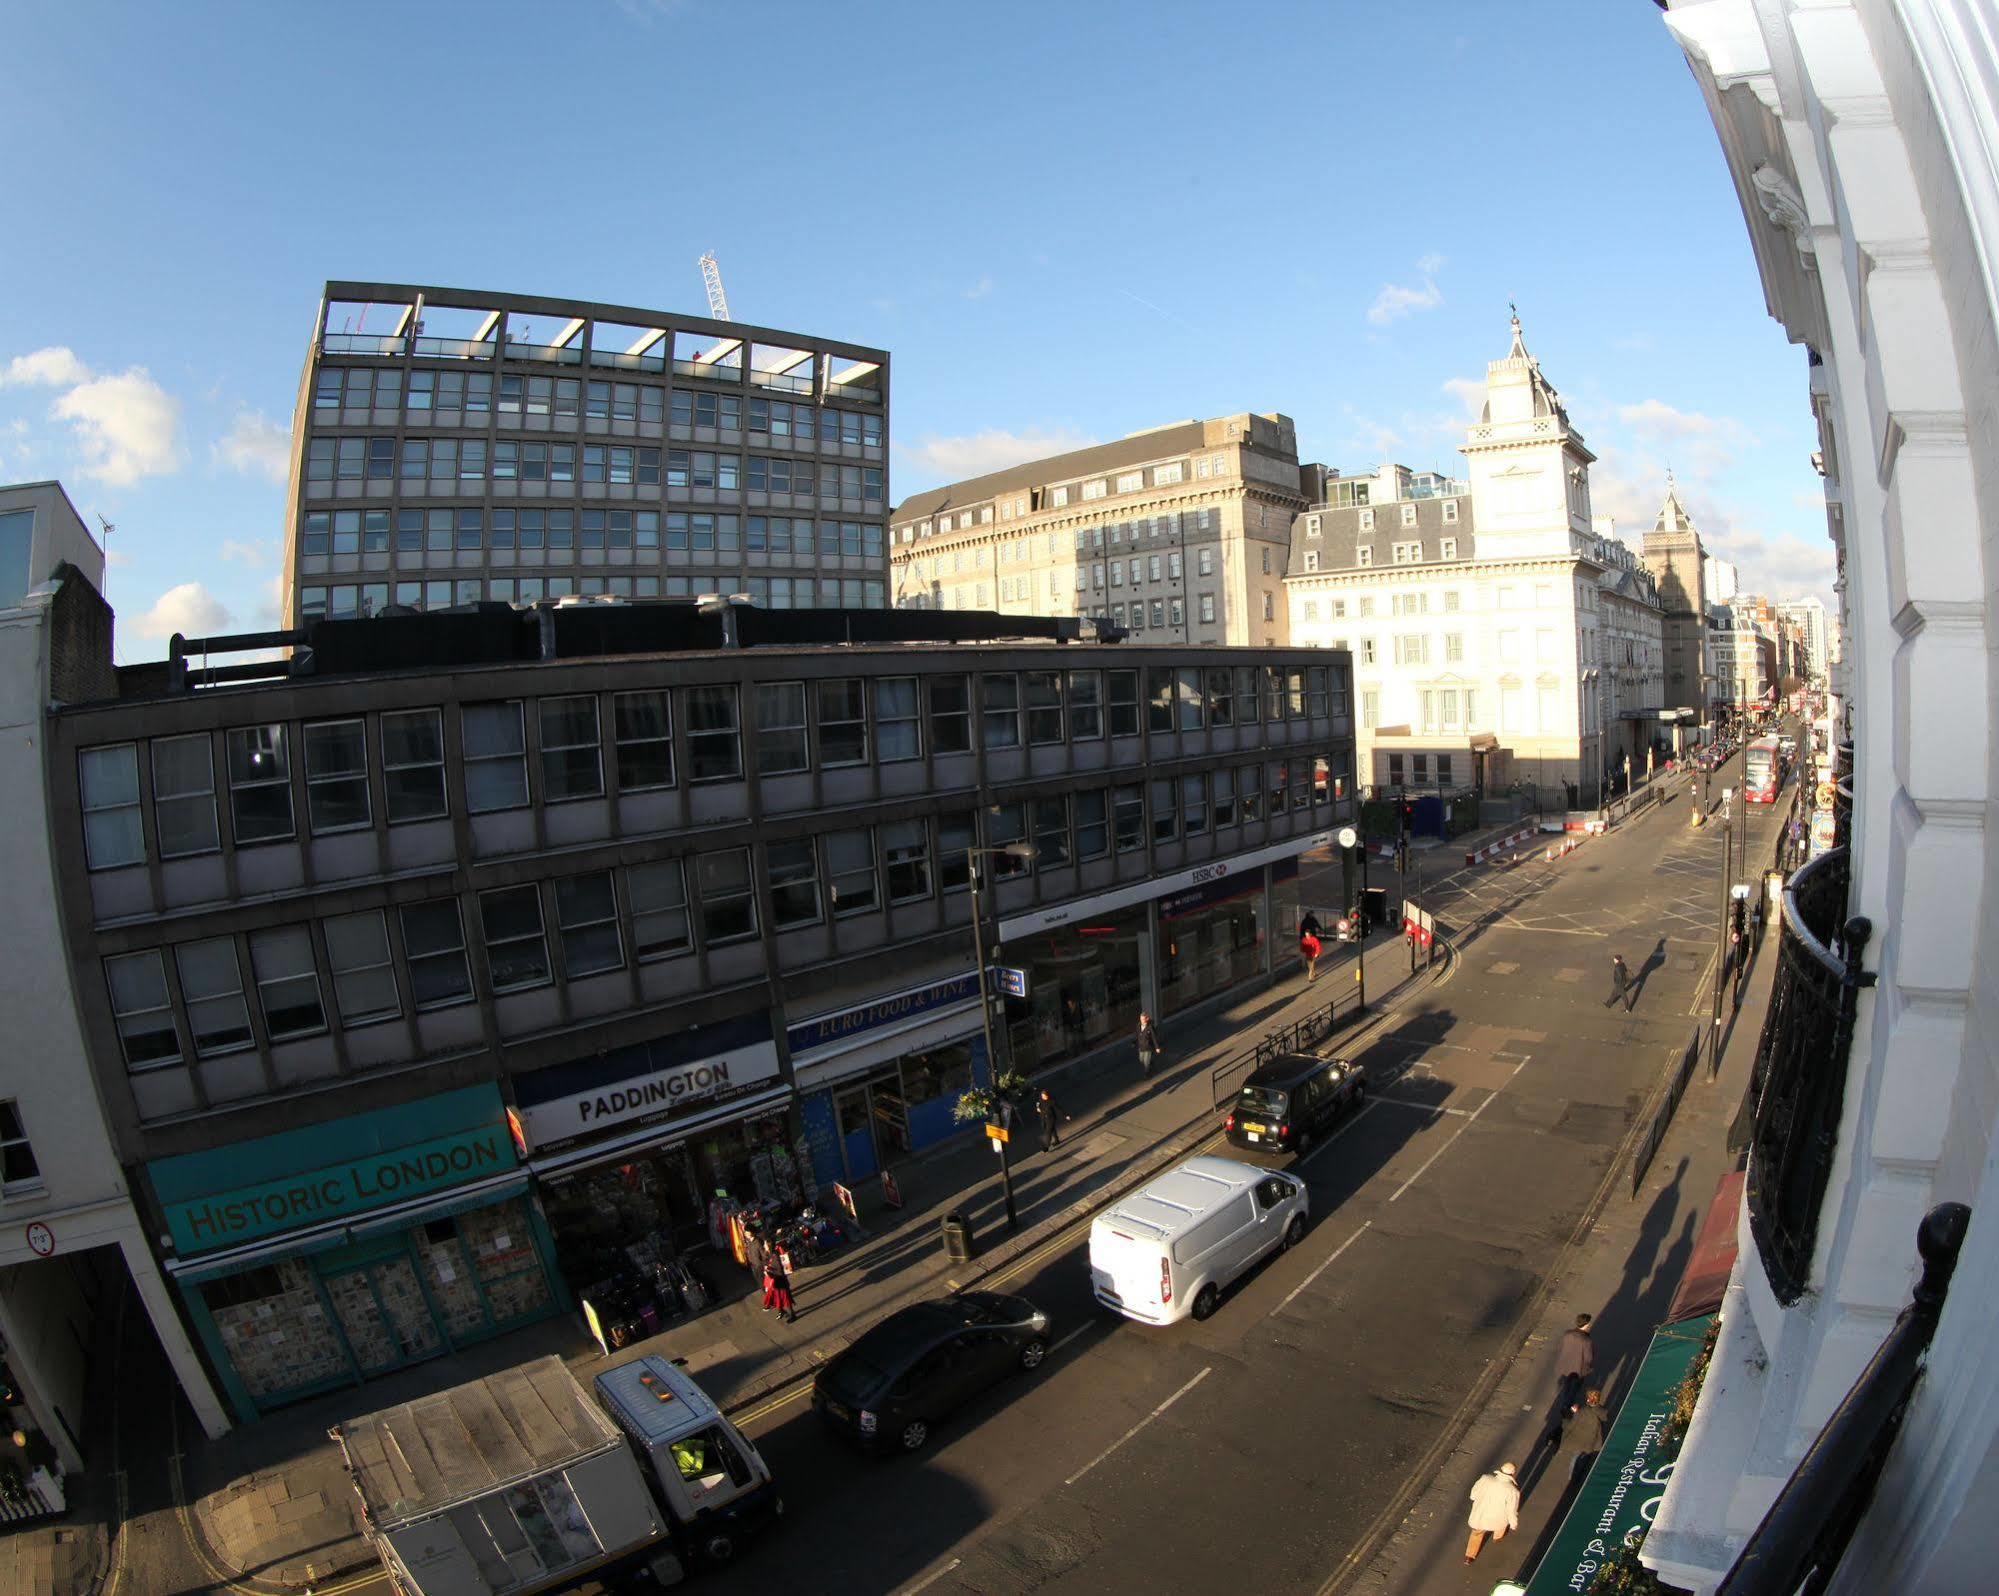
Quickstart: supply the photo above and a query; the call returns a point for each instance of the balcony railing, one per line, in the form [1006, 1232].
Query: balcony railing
[345, 343]
[1800, 1075]
[1798, 1546]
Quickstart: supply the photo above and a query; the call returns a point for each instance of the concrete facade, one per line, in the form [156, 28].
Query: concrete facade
[1176, 533]
[1859, 135]
[482, 446]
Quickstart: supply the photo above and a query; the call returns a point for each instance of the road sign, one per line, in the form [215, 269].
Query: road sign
[1346, 836]
[1013, 983]
[41, 1239]
[999, 1133]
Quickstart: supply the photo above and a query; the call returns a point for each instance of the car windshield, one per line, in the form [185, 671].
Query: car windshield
[1262, 1100]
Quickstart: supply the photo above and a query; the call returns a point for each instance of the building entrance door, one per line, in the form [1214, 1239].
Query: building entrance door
[857, 1130]
[384, 1313]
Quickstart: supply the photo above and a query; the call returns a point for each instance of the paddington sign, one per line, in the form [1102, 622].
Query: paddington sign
[336, 1191]
[653, 1095]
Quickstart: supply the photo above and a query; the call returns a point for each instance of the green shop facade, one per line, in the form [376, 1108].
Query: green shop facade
[320, 1257]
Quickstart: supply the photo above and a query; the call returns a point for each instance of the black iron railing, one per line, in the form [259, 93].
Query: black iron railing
[1842, 794]
[1800, 1074]
[1798, 1546]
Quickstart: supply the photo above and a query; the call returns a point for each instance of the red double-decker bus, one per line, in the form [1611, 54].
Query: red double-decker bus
[1762, 771]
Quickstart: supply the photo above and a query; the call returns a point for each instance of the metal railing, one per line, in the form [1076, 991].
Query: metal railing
[1798, 1546]
[1663, 1109]
[1799, 1079]
[1303, 1035]
[621, 360]
[362, 343]
[713, 370]
[782, 381]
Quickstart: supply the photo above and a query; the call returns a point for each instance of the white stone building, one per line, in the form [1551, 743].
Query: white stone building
[1498, 636]
[1863, 140]
[69, 1234]
[1809, 616]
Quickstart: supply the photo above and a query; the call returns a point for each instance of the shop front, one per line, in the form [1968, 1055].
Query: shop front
[1085, 986]
[878, 1080]
[643, 1152]
[1211, 937]
[324, 1256]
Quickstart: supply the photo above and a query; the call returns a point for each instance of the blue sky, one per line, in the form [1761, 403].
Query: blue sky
[1065, 221]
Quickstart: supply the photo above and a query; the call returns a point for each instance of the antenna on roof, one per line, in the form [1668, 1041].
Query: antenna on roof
[711, 278]
[104, 543]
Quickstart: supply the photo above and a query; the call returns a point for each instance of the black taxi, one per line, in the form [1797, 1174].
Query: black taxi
[1287, 1103]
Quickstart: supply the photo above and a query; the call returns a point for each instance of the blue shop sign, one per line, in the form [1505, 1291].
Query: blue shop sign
[828, 1029]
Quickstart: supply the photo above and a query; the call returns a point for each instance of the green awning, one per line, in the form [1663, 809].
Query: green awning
[1624, 1486]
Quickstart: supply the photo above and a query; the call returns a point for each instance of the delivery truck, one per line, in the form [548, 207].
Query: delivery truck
[524, 1482]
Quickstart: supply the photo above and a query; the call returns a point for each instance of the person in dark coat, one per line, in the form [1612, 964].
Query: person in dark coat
[1620, 983]
[1588, 1427]
[1050, 1113]
[1575, 1362]
[1310, 927]
[1148, 1044]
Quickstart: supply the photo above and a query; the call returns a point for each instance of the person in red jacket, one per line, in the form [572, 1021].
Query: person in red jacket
[1309, 948]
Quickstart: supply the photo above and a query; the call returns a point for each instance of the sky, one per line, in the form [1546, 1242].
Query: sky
[1066, 222]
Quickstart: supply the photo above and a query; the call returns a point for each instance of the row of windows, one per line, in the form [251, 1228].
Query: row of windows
[1017, 505]
[1028, 550]
[432, 460]
[444, 529]
[850, 722]
[349, 601]
[596, 922]
[360, 388]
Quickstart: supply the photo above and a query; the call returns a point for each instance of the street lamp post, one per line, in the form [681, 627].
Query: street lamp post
[1012, 850]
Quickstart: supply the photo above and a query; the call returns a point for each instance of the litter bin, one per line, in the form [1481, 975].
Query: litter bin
[960, 1246]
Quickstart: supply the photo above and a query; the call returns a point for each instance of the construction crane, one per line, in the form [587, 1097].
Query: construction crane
[711, 277]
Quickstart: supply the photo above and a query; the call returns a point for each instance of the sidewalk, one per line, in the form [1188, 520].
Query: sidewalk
[273, 1504]
[1623, 1265]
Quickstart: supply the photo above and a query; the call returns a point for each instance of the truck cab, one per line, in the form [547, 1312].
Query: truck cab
[709, 1475]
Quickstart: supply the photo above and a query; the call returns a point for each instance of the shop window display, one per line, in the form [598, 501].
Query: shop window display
[1083, 987]
[504, 1257]
[1208, 942]
[276, 1329]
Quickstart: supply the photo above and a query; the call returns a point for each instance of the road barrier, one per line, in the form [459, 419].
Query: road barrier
[1302, 1035]
[1493, 849]
[1663, 1108]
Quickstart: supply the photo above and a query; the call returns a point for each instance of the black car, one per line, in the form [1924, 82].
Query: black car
[1291, 1100]
[889, 1388]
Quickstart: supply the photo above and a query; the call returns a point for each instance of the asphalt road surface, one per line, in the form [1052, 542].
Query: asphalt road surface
[1258, 1450]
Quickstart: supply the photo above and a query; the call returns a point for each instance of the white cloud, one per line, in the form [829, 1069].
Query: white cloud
[127, 426]
[1397, 300]
[54, 367]
[189, 609]
[973, 454]
[255, 444]
[1373, 441]
[1469, 392]
[1661, 422]
[247, 553]
[980, 289]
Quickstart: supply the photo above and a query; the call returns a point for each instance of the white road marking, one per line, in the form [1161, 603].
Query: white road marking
[1314, 1275]
[930, 1579]
[1439, 1153]
[1141, 1424]
[1071, 1336]
[1425, 1108]
[1365, 1109]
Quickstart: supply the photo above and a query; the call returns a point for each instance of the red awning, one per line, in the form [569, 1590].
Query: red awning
[1706, 1275]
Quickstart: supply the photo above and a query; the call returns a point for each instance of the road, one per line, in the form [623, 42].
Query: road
[1262, 1448]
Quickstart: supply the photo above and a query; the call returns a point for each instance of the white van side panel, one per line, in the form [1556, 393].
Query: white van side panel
[1199, 1239]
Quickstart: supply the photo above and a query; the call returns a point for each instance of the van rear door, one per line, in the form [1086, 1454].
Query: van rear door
[1125, 1256]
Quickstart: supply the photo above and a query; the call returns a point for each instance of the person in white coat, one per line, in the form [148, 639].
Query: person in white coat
[1495, 1508]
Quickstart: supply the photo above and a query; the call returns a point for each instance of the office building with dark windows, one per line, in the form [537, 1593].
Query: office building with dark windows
[452, 447]
[429, 970]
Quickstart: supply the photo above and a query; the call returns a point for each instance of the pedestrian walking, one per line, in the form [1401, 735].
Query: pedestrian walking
[1575, 1362]
[1148, 1044]
[1309, 948]
[1050, 1112]
[777, 1288]
[1620, 983]
[1310, 926]
[1588, 1427]
[1495, 1509]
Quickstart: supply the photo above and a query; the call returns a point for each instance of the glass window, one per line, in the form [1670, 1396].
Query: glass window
[1044, 707]
[1124, 703]
[955, 834]
[1051, 833]
[572, 763]
[643, 723]
[898, 732]
[336, 776]
[658, 894]
[496, 767]
[1247, 701]
[906, 859]
[112, 832]
[1194, 804]
[781, 737]
[413, 764]
[434, 940]
[18, 1169]
[1249, 791]
[211, 989]
[287, 981]
[260, 784]
[999, 711]
[950, 715]
[1006, 823]
[586, 911]
[516, 947]
[184, 796]
[1093, 836]
[1187, 685]
[139, 1004]
[1158, 699]
[714, 745]
[1223, 783]
[1128, 817]
[850, 871]
[728, 908]
[843, 723]
[1086, 705]
[1273, 693]
[794, 883]
[1165, 812]
[364, 975]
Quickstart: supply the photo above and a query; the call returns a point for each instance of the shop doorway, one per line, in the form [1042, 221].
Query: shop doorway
[384, 1313]
[872, 1116]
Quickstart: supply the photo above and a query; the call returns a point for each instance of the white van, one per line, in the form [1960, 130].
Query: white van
[1160, 1254]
